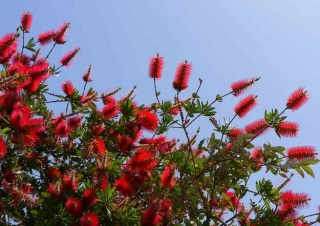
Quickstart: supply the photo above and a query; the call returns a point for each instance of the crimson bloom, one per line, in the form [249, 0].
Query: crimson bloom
[66, 59]
[167, 179]
[147, 120]
[3, 148]
[287, 129]
[26, 21]
[301, 152]
[151, 215]
[239, 86]
[123, 185]
[8, 46]
[67, 88]
[181, 78]
[297, 99]
[46, 37]
[87, 76]
[59, 35]
[89, 219]
[74, 206]
[245, 105]
[258, 127]
[156, 67]
[294, 199]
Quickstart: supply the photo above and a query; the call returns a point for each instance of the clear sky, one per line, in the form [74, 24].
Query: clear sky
[224, 40]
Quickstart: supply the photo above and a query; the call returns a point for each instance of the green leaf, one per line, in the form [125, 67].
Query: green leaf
[300, 171]
[308, 170]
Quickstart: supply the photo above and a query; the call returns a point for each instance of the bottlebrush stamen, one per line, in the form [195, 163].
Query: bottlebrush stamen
[245, 105]
[156, 67]
[181, 78]
[297, 99]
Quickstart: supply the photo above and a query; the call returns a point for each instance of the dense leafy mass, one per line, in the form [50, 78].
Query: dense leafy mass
[110, 161]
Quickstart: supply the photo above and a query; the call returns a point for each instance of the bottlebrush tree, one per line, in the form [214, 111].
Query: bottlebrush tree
[110, 161]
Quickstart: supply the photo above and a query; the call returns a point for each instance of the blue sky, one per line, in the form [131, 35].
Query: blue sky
[224, 40]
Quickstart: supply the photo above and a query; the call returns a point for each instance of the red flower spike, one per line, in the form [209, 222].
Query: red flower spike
[8, 47]
[98, 146]
[240, 86]
[147, 120]
[256, 155]
[123, 185]
[258, 127]
[294, 199]
[74, 122]
[26, 21]
[297, 99]
[74, 206]
[124, 143]
[156, 67]
[59, 36]
[54, 174]
[66, 59]
[245, 105]
[46, 37]
[3, 148]
[55, 190]
[287, 129]
[87, 76]
[300, 153]
[89, 219]
[182, 76]
[67, 88]
[62, 129]
[143, 160]
[109, 111]
[167, 179]
[89, 196]
[151, 215]
[234, 132]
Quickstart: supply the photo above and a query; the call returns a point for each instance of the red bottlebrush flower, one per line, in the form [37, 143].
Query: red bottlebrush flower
[245, 105]
[39, 71]
[143, 160]
[294, 199]
[98, 146]
[87, 76]
[26, 21]
[89, 196]
[46, 37]
[256, 155]
[239, 86]
[98, 129]
[110, 110]
[300, 153]
[67, 88]
[70, 181]
[123, 185]
[62, 129]
[156, 140]
[3, 148]
[74, 206]
[181, 78]
[167, 179]
[55, 190]
[66, 59]
[147, 120]
[54, 174]
[74, 122]
[151, 215]
[108, 100]
[8, 46]
[287, 129]
[297, 99]
[124, 143]
[166, 207]
[156, 66]
[258, 127]
[89, 219]
[234, 132]
[59, 36]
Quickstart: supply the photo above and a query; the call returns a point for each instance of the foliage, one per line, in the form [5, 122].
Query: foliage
[116, 165]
